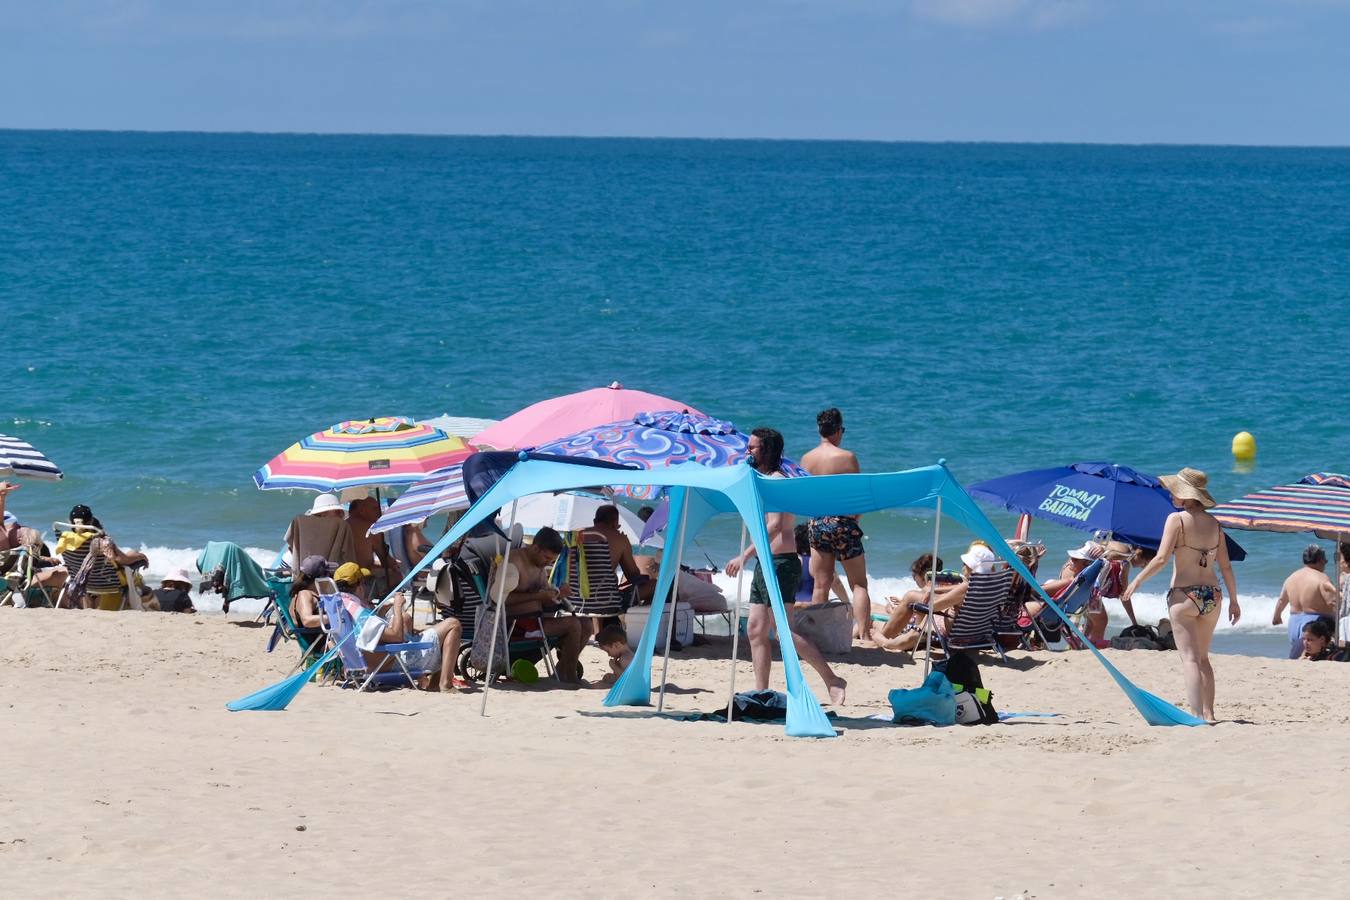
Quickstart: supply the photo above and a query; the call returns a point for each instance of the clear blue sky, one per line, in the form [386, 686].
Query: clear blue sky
[1226, 71]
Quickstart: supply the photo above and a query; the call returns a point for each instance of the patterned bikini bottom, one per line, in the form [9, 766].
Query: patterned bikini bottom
[1206, 597]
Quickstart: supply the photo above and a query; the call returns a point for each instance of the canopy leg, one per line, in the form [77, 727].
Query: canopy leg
[674, 604]
[500, 613]
[736, 626]
[932, 593]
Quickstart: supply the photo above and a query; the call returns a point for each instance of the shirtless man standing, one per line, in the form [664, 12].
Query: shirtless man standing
[766, 455]
[1309, 594]
[838, 537]
[361, 515]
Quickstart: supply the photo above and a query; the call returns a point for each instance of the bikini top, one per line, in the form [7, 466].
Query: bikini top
[1204, 552]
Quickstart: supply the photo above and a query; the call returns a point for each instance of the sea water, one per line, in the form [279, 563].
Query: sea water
[178, 308]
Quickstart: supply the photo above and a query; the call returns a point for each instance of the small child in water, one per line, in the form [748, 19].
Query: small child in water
[614, 641]
[1317, 643]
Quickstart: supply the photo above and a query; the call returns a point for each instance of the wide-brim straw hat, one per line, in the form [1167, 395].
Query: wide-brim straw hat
[1189, 484]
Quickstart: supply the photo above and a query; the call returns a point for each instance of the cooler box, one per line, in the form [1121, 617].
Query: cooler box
[635, 620]
[829, 626]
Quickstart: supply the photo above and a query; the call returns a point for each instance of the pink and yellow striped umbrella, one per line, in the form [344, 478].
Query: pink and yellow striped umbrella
[381, 452]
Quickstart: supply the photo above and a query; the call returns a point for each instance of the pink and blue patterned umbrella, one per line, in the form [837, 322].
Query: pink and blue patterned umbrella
[652, 440]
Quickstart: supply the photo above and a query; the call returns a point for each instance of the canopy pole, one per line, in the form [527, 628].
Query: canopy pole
[500, 612]
[932, 593]
[674, 600]
[1341, 611]
[736, 624]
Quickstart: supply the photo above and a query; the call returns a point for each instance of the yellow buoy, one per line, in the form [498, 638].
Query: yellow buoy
[1244, 446]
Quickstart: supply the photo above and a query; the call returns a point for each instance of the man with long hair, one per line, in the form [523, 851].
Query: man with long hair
[766, 455]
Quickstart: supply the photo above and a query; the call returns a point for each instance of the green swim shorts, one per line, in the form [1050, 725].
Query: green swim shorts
[787, 568]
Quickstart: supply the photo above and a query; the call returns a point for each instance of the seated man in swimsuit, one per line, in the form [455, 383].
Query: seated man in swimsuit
[393, 625]
[1309, 594]
[903, 629]
[523, 580]
[372, 551]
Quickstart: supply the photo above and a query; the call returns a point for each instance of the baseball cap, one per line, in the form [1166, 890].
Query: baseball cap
[351, 573]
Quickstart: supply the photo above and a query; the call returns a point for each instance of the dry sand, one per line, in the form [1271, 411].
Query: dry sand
[124, 775]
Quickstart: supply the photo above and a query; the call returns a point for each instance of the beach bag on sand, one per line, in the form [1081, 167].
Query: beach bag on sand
[1137, 637]
[974, 706]
[932, 703]
[482, 642]
[760, 706]
[829, 626]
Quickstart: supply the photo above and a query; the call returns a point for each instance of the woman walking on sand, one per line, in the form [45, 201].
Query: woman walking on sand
[1195, 540]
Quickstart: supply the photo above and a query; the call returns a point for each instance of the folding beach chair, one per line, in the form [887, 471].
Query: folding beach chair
[285, 629]
[21, 587]
[1072, 599]
[338, 624]
[971, 627]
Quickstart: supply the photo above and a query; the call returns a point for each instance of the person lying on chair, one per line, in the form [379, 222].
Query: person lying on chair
[523, 580]
[394, 625]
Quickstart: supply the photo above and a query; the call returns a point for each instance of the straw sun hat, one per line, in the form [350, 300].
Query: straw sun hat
[1189, 484]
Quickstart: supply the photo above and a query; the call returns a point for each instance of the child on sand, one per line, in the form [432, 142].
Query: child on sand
[1317, 643]
[614, 641]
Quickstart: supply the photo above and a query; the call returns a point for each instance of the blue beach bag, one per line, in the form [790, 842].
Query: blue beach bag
[932, 703]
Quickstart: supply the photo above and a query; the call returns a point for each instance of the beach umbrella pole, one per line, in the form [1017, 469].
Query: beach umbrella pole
[932, 593]
[674, 602]
[736, 625]
[500, 613]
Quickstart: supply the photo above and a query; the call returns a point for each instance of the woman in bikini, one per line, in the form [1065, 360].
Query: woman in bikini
[1195, 539]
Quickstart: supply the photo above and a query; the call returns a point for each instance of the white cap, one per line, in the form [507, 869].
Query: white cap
[325, 503]
[979, 559]
[1089, 550]
[181, 575]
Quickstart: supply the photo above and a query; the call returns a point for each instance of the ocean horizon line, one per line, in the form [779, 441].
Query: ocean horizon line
[432, 135]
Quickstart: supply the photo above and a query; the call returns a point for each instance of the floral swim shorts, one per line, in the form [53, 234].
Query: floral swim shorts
[839, 535]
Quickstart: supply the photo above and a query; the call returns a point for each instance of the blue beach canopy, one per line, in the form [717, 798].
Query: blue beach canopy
[698, 493]
[1091, 496]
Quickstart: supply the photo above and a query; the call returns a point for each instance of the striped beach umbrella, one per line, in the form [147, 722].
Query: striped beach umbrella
[440, 491]
[1319, 503]
[20, 458]
[381, 452]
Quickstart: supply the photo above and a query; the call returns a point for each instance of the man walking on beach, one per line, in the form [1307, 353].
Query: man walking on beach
[766, 455]
[838, 537]
[1309, 594]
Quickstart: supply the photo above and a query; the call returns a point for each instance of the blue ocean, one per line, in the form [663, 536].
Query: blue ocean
[178, 308]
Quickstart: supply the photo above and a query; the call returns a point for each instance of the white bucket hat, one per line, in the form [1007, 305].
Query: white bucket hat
[325, 503]
[180, 575]
[979, 559]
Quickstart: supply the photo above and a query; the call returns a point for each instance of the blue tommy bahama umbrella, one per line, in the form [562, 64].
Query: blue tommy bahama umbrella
[1090, 496]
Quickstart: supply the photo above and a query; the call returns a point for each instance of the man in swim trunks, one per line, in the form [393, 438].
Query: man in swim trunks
[766, 455]
[1309, 594]
[838, 537]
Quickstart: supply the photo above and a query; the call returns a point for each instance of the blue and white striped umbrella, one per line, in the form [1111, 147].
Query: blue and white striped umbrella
[440, 491]
[19, 458]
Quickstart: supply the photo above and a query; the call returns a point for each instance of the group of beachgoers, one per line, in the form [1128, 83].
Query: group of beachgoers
[604, 578]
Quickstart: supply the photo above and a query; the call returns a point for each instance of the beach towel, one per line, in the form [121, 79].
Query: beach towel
[243, 576]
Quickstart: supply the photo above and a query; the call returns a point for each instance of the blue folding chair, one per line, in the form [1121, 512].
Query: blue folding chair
[339, 625]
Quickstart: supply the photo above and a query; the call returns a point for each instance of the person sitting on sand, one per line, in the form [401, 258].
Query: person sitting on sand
[1316, 640]
[1195, 541]
[766, 455]
[175, 593]
[393, 625]
[1309, 594]
[614, 641]
[524, 582]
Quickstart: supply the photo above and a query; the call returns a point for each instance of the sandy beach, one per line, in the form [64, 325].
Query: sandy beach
[127, 777]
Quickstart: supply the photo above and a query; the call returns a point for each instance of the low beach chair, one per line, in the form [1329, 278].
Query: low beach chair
[356, 671]
[971, 627]
[284, 629]
[1072, 599]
